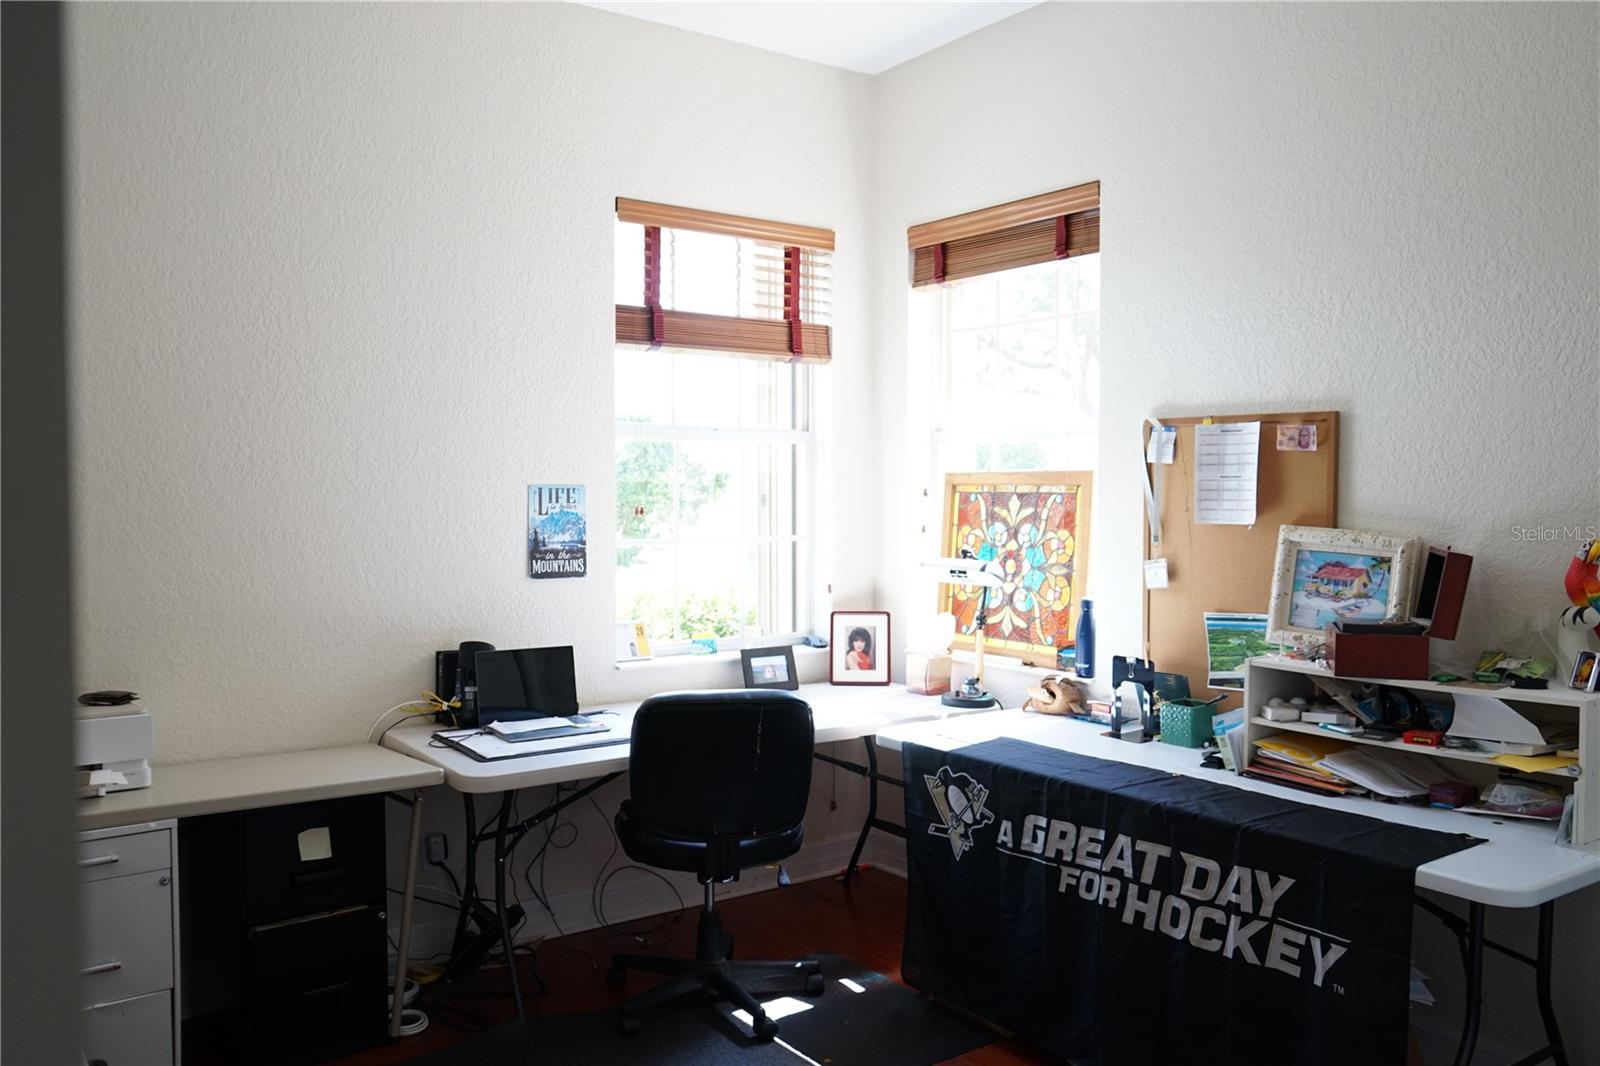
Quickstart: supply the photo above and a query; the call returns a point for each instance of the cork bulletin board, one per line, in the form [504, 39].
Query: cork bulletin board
[1214, 568]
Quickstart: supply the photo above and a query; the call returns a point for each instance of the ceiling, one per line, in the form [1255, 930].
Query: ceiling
[865, 37]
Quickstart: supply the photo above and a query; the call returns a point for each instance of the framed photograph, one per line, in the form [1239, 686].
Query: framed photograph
[859, 652]
[1584, 675]
[1325, 575]
[770, 668]
[1036, 525]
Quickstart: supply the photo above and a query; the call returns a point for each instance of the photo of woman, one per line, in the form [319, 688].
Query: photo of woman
[859, 655]
[860, 648]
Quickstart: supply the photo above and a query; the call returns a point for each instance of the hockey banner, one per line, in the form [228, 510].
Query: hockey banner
[1127, 915]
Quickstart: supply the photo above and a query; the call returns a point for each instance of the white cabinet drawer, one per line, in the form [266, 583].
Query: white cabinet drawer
[130, 1032]
[122, 855]
[127, 937]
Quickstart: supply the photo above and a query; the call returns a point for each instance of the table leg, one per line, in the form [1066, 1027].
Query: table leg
[1547, 1010]
[402, 957]
[469, 883]
[1469, 1024]
[872, 810]
[500, 837]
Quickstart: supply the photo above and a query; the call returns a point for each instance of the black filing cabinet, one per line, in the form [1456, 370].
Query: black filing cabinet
[290, 938]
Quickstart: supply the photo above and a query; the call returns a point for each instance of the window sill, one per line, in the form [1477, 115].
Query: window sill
[803, 654]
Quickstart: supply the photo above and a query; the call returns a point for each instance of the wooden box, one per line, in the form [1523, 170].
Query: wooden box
[1441, 594]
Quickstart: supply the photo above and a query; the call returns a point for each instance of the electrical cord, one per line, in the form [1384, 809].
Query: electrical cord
[602, 879]
[420, 898]
[454, 884]
[550, 841]
[428, 704]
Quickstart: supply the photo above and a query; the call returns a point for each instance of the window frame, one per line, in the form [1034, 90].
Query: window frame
[943, 435]
[802, 439]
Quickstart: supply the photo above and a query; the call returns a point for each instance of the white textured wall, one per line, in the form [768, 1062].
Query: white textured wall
[1391, 210]
[342, 280]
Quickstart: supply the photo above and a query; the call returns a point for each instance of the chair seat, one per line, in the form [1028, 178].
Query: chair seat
[645, 845]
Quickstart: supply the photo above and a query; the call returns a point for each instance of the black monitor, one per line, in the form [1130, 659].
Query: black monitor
[526, 683]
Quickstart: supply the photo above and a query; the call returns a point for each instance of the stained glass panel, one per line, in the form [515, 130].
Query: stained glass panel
[1038, 531]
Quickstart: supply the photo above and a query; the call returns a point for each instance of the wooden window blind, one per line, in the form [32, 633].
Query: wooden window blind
[715, 282]
[1055, 225]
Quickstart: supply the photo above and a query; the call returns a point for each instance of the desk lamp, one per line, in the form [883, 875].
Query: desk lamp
[969, 570]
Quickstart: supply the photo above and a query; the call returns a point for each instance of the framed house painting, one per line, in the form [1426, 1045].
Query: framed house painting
[1036, 526]
[1328, 575]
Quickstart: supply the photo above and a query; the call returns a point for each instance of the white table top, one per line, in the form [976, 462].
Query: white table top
[213, 786]
[1520, 866]
[839, 712]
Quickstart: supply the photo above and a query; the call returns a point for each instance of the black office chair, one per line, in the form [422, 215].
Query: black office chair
[719, 782]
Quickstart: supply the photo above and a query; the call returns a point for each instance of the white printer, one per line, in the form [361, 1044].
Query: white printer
[114, 752]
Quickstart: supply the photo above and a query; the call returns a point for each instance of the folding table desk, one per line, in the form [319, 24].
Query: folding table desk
[216, 786]
[1520, 865]
[839, 713]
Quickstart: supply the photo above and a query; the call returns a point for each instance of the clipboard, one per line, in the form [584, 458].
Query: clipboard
[486, 747]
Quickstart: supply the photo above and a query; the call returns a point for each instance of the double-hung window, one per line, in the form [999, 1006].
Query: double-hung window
[1005, 336]
[1006, 313]
[722, 325]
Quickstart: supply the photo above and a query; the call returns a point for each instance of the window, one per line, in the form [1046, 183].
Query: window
[1005, 335]
[714, 437]
[1006, 307]
[1016, 382]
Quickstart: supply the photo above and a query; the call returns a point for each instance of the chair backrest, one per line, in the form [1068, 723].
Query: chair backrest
[733, 763]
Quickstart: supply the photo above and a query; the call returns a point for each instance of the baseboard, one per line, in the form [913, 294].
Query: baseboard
[633, 895]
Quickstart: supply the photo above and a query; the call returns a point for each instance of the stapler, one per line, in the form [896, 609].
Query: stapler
[1142, 674]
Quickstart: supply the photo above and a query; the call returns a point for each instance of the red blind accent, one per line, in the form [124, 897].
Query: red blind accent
[652, 284]
[791, 300]
[1061, 236]
[938, 263]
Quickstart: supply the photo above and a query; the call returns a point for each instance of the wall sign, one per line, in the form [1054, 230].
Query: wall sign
[558, 540]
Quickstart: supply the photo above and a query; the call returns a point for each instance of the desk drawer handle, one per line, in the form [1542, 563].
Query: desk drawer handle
[100, 860]
[104, 967]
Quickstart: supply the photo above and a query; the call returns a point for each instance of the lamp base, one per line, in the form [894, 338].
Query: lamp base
[968, 701]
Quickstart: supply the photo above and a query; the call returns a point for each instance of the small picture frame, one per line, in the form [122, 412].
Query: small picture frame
[859, 651]
[1324, 575]
[770, 667]
[1585, 673]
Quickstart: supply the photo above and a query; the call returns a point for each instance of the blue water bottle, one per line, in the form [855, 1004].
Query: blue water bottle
[1085, 641]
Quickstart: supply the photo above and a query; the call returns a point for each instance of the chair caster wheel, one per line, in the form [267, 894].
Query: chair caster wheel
[813, 984]
[628, 1025]
[615, 975]
[765, 1028]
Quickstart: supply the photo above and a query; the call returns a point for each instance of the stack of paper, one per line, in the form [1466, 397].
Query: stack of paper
[1293, 758]
[1396, 774]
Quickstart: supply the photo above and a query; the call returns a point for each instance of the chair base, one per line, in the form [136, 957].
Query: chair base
[711, 971]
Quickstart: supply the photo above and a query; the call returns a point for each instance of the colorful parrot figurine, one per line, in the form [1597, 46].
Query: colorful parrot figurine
[1583, 584]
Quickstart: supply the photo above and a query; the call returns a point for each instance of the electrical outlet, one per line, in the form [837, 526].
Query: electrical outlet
[436, 847]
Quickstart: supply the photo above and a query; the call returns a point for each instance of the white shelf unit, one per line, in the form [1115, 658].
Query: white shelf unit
[1271, 676]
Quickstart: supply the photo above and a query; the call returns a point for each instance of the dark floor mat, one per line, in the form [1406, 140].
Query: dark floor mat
[884, 1022]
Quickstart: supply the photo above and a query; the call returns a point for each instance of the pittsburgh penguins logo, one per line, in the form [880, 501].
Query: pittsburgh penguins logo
[960, 802]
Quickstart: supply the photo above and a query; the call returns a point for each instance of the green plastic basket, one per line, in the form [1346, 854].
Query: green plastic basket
[1186, 723]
